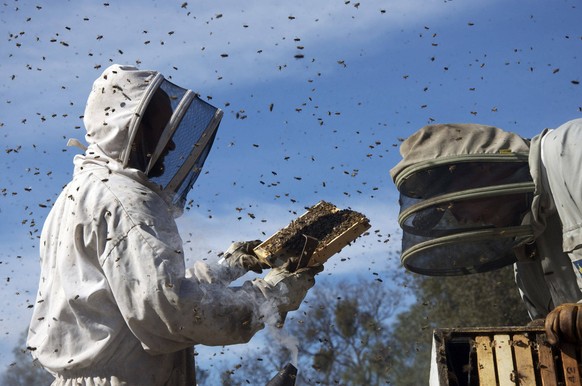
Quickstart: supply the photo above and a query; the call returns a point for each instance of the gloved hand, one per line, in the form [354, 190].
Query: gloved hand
[240, 255]
[564, 324]
[287, 289]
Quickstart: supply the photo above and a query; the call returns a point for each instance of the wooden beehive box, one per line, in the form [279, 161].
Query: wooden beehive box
[334, 228]
[505, 356]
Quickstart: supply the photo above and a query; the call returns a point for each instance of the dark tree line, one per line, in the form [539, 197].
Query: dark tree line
[22, 371]
[343, 337]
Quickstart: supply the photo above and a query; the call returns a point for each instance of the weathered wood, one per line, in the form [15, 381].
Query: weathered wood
[519, 356]
[485, 361]
[570, 365]
[546, 365]
[523, 360]
[504, 359]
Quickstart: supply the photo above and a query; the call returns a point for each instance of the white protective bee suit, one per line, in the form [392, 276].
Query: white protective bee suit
[116, 305]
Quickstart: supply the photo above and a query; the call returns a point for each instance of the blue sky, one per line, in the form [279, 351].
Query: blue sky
[317, 97]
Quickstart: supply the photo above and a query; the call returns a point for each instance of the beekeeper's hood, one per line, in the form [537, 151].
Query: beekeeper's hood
[139, 121]
[464, 189]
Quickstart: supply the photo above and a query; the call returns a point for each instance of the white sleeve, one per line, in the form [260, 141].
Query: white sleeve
[168, 310]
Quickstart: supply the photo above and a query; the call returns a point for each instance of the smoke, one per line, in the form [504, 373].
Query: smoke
[286, 340]
[274, 322]
[214, 272]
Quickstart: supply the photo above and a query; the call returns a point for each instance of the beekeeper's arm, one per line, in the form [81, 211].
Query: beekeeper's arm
[168, 309]
[553, 152]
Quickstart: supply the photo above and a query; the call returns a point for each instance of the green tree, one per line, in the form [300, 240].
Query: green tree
[22, 371]
[342, 335]
[359, 334]
[481, 300]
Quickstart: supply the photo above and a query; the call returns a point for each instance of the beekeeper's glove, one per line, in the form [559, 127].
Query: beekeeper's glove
[241, 255]
[564, 324]
[287, 289]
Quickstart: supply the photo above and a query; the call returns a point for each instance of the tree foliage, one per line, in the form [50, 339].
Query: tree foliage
[22, 371]
[342, 337]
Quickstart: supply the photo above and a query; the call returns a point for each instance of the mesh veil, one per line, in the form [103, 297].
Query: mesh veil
[463, 192]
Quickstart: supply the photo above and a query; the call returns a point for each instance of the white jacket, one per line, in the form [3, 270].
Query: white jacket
[555, 277]
[115, 303]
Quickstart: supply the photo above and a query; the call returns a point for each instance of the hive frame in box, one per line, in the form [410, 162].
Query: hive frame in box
[505, 356]
[323, 251]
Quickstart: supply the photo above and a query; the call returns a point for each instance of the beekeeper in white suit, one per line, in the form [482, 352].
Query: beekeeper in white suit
[116, 305]
[475, 198]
